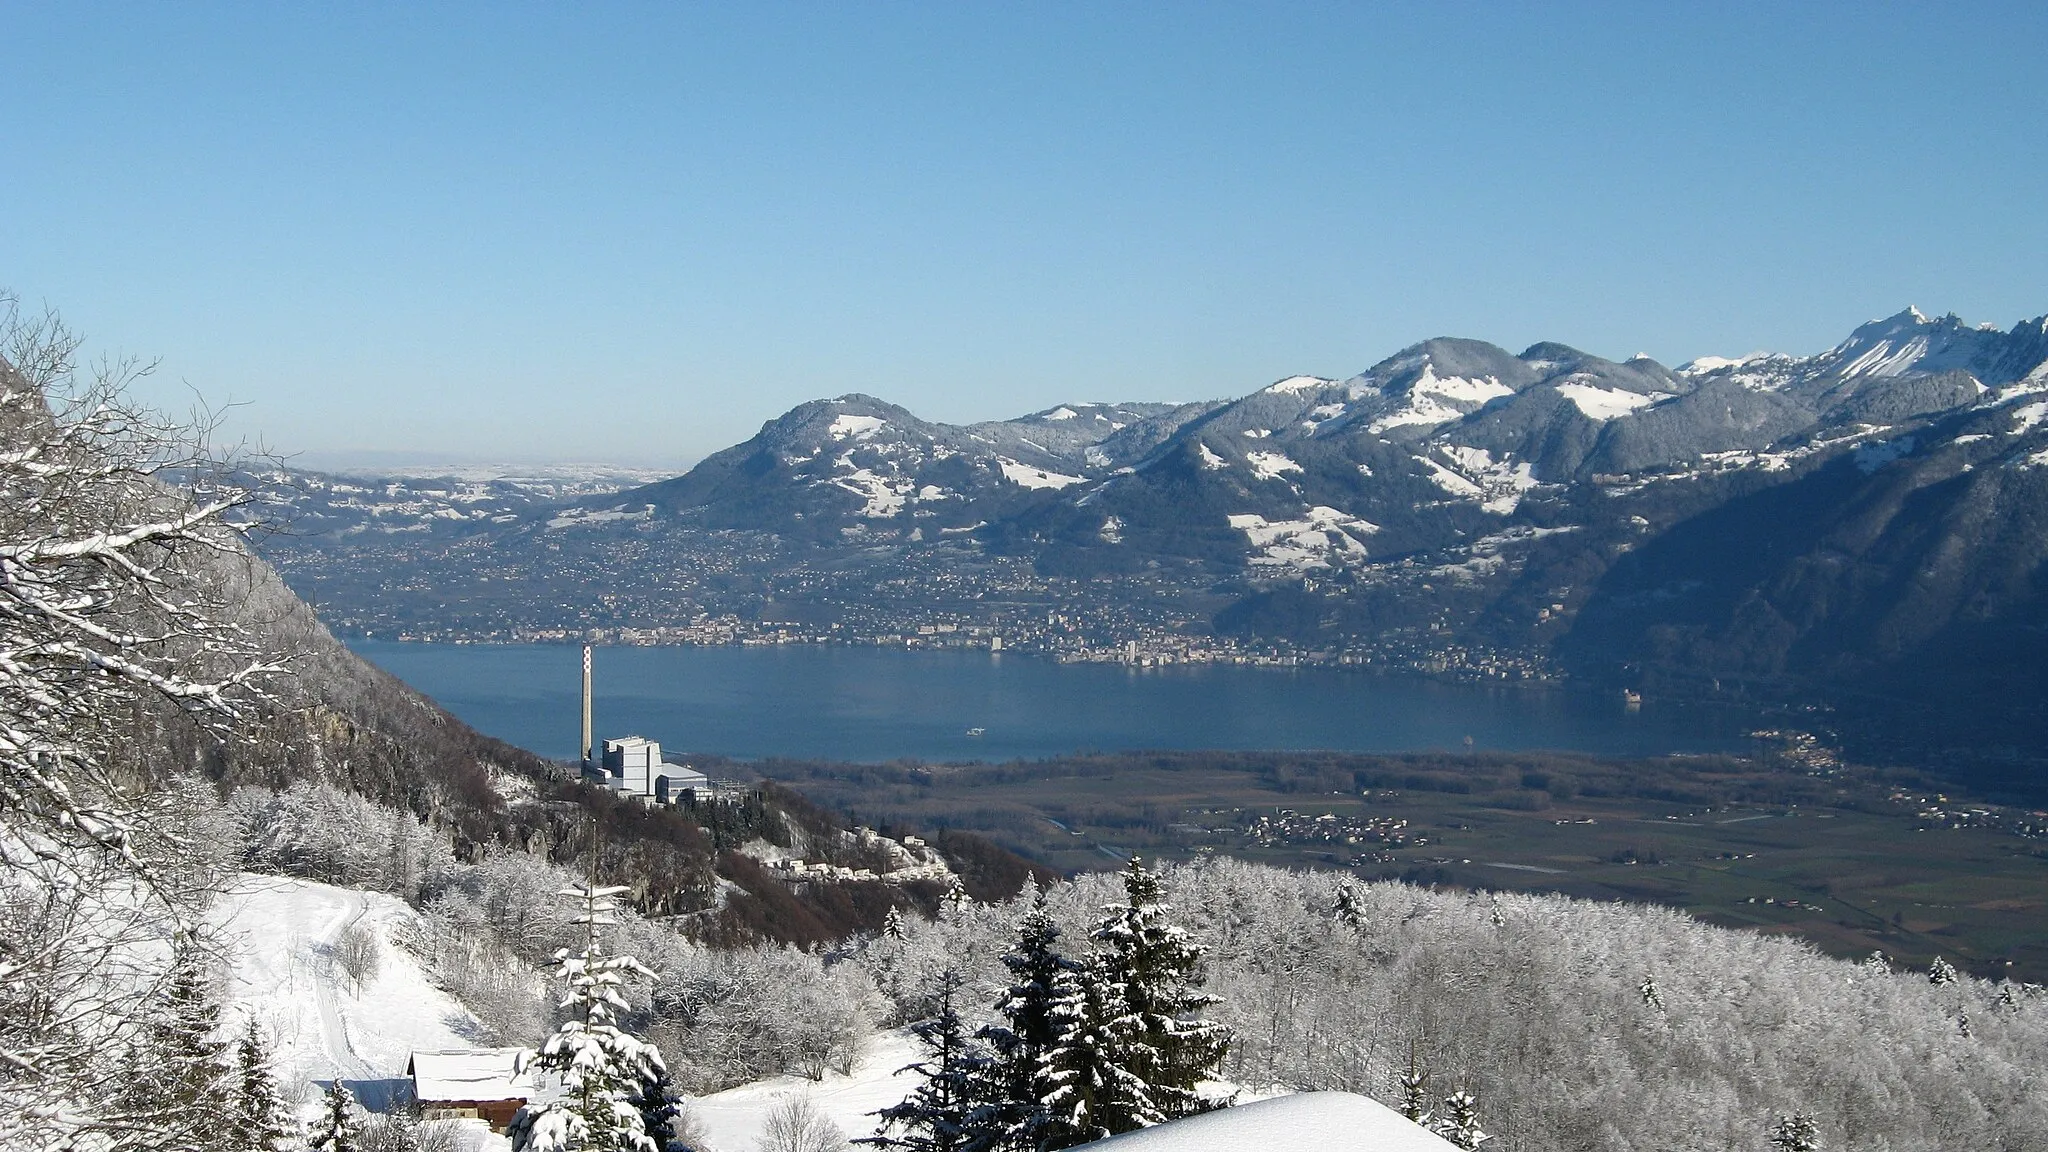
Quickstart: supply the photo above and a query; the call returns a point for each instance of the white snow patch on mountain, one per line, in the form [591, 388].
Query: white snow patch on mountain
[1321, 536]
[2035, 460]
[1706, 364]
[1064, 413]
[1449, 480]
[2026, 417]
[580, 517]
[1299, 384]
[1209, 461]
[857, 427]
[884, 496]
[1258, 433]
[1269, 465]
[1871, 457]
[1604, 403]
[1308, 1122]
[1500, 482]
[1030, 477]
[1434, 399]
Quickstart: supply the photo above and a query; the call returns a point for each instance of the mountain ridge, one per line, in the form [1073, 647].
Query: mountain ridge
[1453, 507]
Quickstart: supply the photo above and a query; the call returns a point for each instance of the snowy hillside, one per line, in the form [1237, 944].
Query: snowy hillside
[281, 938]
[1309, 1122]
[735, 1119]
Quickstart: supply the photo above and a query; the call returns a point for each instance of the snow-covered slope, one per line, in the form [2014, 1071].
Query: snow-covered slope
[1309, 1122]
[279, 936]
[735, 1118]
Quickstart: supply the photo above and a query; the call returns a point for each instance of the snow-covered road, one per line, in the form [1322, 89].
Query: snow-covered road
[279, 935]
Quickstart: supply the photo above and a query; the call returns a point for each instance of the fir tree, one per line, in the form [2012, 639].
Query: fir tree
[956, 898]
[1458, 1121]
[1941, 972]
[1090, 1090]
[949, 1111]
[602, 1069]
[1349, 911]
[659, 1109]
[181, 1073]
[1795, 1134]
[1155, 971]
[1029, 1029]
[1415, 1093]
[1652, 998]
[338, 1129]
[261, 1122]
[892, 925]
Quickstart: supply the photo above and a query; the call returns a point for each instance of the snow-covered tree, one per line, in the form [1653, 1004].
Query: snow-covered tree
[113, 602]
[797, 1124]
[1795, 1134]
[1941, 972]
[262, 1123]
[1154, 969]
[1349, 911]
[602, 1069]
[1457, 1120]
[1029, 1029]
[1092, 1091]
[1414, 1083]
[892, 925]
[949, 1110]
[339, 1129]
[660, 1110]
[118, 625]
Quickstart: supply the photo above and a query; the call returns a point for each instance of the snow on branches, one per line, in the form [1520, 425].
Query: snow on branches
[605, 1073]
[114, 597]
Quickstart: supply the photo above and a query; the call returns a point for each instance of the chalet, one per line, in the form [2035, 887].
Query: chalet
[490, 1084]
[635, 766]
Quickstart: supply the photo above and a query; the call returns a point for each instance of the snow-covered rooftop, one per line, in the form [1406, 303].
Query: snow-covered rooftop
[471, 1074]
[1308, 1122]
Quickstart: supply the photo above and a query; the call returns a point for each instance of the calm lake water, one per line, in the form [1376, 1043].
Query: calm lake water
[869, 704]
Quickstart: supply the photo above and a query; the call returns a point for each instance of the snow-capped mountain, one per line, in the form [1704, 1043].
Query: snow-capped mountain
[858, 468]
[1869, 509]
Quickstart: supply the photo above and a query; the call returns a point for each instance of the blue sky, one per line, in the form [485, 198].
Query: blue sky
[635, 232]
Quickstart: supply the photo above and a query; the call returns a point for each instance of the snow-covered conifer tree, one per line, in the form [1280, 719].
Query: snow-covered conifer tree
[1091, 1090]
[179, 1072]
[892, 925]
[339, 1129]
[1795, 1134]
[1349, 911]
[655, 1100]
[1458, 1121]
[601, 1068]
[1941, 972]
[1029, 1029]
[1156, 971]
[1415, 1094]
[949, 1111]
[262, 1123]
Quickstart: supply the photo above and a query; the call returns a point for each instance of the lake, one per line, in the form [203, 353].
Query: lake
[874, 704]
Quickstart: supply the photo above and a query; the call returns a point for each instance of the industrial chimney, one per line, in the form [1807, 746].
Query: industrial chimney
[589, 760]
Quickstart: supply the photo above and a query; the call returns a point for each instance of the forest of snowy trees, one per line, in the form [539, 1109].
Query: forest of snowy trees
[1049, 1016]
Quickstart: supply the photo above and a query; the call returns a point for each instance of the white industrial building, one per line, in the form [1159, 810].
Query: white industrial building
[633, 766]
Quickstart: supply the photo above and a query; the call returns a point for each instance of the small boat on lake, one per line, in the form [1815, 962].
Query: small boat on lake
[976, 731]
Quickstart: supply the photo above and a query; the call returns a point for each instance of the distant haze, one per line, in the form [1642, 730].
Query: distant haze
[634, 233]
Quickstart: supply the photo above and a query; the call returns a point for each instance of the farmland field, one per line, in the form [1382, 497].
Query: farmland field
[1851, 859]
